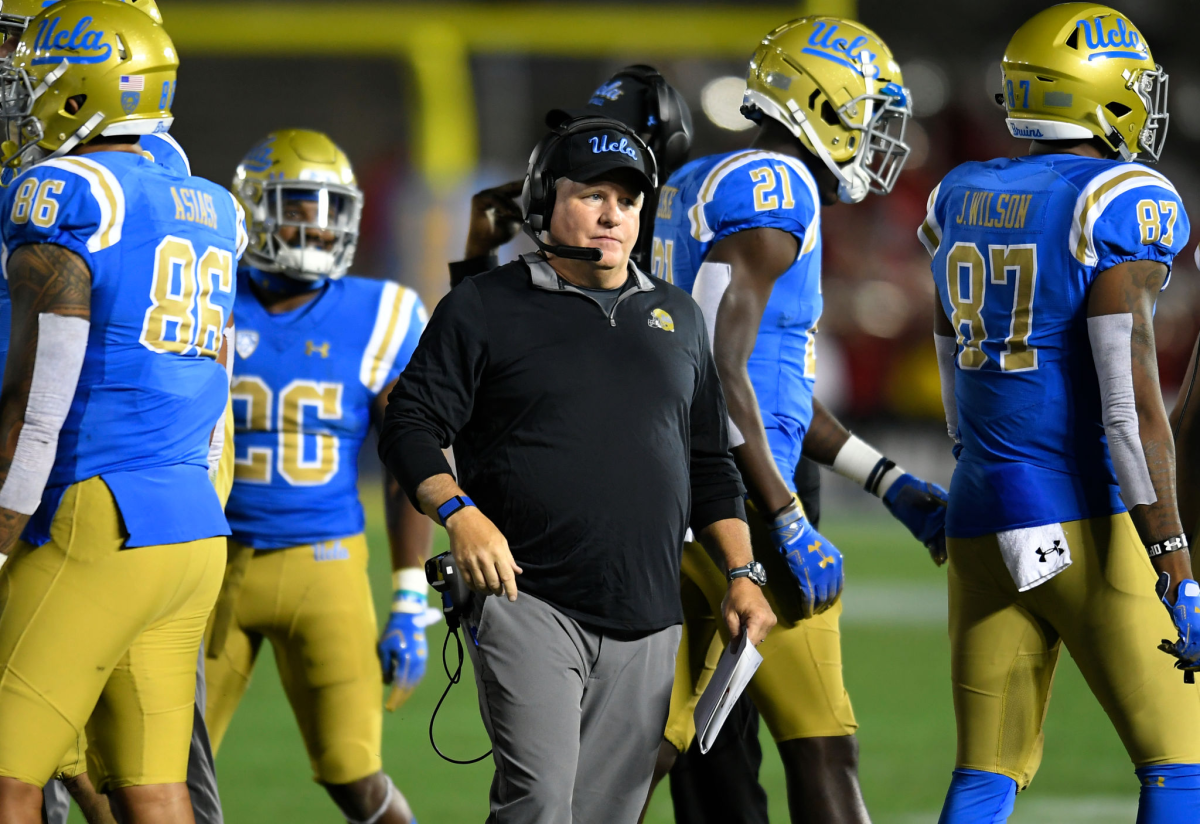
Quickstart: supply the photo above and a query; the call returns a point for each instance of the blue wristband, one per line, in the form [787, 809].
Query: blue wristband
[453, 505]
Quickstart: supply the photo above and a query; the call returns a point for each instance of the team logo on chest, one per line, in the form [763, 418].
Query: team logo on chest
[246, 343]
[659, 319]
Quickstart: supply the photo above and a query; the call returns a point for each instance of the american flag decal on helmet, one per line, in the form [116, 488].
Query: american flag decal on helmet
[132, 83]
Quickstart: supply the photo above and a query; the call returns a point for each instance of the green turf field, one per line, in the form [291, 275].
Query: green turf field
[897, 672]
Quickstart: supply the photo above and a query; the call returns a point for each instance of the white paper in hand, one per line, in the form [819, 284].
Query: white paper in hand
[737, 666]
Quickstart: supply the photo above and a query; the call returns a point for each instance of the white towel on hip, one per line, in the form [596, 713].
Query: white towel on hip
[1035, 554]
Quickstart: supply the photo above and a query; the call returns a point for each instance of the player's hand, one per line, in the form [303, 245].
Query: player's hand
[1185, 614]
[920, 506]
[814, 562]
[482, 554]
[495, 218]
[746, 607]
[402, 648]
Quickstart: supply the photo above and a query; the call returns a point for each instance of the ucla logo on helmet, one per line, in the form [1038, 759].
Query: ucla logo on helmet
[852, 54]
[259, 159]
[1119, 40]
[609, 91]
[601, 144]
[81, 44]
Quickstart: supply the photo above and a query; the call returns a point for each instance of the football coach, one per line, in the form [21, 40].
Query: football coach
[589, 432]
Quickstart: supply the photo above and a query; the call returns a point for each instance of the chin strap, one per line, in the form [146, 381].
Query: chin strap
[82, 134]
[1114, 137]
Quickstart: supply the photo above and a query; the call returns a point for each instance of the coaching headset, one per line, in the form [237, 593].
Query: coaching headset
[546, 166]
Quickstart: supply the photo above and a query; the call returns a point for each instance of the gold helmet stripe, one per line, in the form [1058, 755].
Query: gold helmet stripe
[930, 233]
[1095, 198]
[391, 328]
[107, 191]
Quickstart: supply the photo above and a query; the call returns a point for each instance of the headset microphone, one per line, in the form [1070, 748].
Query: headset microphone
[571, 252]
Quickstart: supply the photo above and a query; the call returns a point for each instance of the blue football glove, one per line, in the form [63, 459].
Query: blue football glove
[1185, 614]
[403, 650]
[920, 506]
[814, 562]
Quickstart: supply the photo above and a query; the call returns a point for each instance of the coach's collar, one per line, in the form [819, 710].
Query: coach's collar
[543, 275]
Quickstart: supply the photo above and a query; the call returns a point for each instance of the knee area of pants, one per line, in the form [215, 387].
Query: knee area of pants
[978, 797]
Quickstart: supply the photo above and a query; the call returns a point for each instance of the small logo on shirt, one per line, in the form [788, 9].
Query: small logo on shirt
[330, 551]
[659, 319]
[1044, 553]
[246, 343]
[311, 349]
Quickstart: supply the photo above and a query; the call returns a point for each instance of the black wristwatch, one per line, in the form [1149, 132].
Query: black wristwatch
[753, 570]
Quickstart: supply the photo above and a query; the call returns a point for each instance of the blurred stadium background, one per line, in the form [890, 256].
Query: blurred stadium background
[433, 101]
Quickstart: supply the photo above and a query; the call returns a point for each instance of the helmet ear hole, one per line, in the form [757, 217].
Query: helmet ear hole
[812, 100]
[828, 114]
[73, 105]
[1118, 109]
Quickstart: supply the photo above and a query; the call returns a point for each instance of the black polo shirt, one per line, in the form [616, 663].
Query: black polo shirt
[592, 439]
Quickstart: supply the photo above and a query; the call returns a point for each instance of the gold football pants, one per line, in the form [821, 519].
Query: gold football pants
[313, 603]
[97, 635]
[1004, 646]
[798, 690]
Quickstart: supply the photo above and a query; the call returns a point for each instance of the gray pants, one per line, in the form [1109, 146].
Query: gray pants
[575, 717]
[201, 777]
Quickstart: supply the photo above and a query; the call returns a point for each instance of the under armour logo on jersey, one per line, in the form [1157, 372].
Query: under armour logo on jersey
[245, 343]
[311, 348]
[330, 551]
[1044, 553]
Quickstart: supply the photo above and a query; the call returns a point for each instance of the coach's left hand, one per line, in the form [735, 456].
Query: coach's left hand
[746, 607]
[920, 506]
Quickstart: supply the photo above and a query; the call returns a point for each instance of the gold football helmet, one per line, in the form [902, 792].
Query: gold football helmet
[116, 63]
[1080, 70]
[292, 165]
[835, 85]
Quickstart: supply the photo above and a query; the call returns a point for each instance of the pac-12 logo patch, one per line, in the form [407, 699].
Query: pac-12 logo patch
[659, 319]
[246, 343]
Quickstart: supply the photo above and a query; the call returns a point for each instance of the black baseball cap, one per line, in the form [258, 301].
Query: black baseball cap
[623, 97]
[591, 153]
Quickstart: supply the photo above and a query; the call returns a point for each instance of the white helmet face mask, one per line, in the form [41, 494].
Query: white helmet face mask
[881, 151]
[309, 255]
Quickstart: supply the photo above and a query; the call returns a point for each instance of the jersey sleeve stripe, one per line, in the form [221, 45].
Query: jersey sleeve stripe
[109, 196]
[174, 144]
[243, 239]
[391, 327]
[708, 189]
[1095, 198]
[930, 233]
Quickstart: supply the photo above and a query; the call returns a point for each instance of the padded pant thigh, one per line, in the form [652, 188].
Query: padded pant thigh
[1105, 608]
[798, 690]
[86, 625]
[313, 603]
[1002, 662]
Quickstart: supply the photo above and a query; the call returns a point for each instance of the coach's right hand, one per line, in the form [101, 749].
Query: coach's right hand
[482, 554]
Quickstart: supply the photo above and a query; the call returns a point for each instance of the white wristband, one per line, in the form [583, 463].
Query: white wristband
[866, 466]
[410, 579]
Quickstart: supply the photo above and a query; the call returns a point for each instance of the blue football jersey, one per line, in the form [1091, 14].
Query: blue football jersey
[166, 152]
[711, 198]
[162, 249]
[1016, 244]
[303, 385]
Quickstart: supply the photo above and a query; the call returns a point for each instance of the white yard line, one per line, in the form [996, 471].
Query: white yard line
[899, 603]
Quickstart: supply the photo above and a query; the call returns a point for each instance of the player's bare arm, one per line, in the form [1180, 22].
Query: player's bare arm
[1131, 289]
[757, 258]
[480, 549]
[43, 279]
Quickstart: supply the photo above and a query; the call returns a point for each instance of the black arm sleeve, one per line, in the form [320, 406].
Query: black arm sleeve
[460, 270]
[435, 394]
[717, 491]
